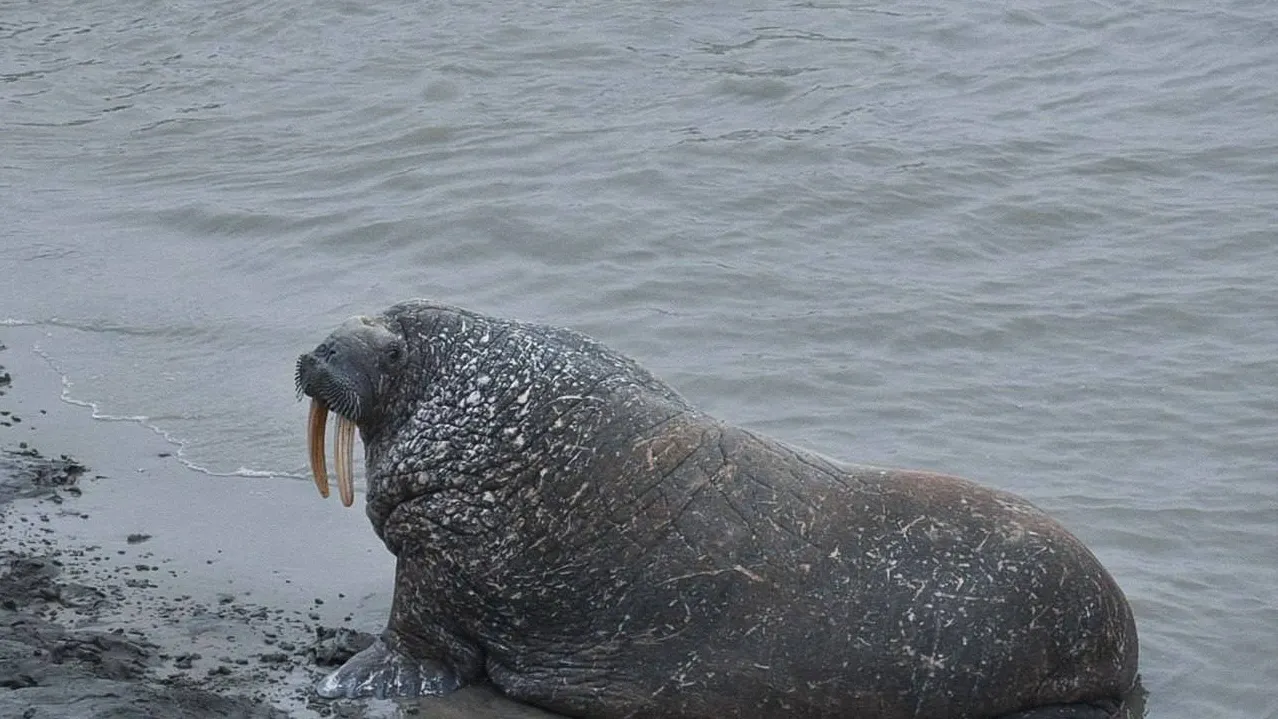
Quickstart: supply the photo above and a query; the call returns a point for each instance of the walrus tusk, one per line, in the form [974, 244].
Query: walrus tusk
[315, 445]
[343, 444]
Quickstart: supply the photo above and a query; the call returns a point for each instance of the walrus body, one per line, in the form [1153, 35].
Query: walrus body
[570, 529]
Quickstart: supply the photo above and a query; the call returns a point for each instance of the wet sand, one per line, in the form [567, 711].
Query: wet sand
[131, 585]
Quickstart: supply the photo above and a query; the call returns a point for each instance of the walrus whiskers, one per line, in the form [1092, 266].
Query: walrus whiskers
[315, 425]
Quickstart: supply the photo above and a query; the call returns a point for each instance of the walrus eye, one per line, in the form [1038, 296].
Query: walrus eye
[394, 352]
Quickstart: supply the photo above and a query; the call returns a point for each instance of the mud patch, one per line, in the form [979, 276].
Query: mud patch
[50, 665]
[58, 658]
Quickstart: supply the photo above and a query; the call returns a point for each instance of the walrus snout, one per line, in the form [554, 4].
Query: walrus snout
[315, 381]
[329, 376]
[329, 388]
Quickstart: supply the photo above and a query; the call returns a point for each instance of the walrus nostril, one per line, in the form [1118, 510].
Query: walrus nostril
[325, 350]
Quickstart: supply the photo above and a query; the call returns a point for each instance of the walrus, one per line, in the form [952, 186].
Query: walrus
[570, 529]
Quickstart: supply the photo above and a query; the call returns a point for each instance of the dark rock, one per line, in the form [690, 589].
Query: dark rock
[333, 646]
[184, 661]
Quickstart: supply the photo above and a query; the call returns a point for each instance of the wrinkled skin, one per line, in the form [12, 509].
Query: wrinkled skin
[570, 529]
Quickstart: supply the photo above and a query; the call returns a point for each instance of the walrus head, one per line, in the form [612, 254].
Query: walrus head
[455, 406]
[349, 374]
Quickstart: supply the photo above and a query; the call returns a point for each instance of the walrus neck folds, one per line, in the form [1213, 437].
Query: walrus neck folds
[491, 399]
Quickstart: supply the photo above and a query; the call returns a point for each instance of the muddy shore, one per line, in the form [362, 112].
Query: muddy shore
[132, 586]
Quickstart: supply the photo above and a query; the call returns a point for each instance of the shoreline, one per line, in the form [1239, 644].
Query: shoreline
[132, 585]
[98, 612]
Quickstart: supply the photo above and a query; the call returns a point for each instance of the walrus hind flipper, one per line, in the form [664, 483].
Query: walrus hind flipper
[382, 672]
[1104, 710]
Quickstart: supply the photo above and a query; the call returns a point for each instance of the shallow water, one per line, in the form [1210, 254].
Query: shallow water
[1035, 247]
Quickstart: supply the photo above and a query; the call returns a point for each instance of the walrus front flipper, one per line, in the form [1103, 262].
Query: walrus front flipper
[416, 656]
[382, 672]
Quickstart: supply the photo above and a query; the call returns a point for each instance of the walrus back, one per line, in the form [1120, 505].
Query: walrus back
[705, 561]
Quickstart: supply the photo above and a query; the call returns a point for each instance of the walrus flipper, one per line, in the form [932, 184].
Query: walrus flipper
[380, 671]
[416, 656]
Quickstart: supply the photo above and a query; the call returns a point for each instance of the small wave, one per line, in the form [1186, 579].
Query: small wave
[178, 444]
[265, 473]
[103, 327]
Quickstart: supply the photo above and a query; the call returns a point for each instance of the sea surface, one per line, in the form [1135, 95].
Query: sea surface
[1033, 244]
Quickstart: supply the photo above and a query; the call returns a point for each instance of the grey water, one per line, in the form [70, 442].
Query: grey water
[1035, 245]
